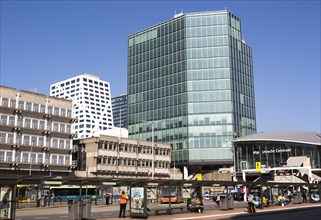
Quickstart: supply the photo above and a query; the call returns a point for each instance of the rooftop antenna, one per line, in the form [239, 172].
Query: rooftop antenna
[179, 14]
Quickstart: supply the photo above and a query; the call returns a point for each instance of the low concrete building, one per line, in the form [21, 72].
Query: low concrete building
[119, 157]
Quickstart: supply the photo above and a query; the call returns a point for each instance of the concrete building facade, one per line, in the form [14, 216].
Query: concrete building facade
[35, 133]
[119, 157]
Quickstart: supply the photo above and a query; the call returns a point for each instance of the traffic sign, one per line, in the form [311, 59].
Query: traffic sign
[258, 167]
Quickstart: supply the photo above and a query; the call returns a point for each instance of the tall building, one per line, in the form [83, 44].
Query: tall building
[92, 103]
[190, 84]
[119, 105]
[35, 133]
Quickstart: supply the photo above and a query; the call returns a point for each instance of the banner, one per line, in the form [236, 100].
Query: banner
[5, 202]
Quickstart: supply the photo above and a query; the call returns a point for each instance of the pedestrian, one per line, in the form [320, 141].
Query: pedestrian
[304, 196]
[251, 206]
[218, 201]
[107, 197]
[123, 202]
[199, 204]
[289, 195]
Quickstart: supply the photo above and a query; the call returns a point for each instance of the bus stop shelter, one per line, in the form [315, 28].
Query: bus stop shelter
[11, 180]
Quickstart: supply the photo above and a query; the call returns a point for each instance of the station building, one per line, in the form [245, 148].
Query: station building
[279, 149]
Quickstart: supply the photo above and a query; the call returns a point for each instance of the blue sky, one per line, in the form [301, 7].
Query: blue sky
[43, 42]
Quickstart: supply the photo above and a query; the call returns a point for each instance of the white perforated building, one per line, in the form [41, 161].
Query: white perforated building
[91, 103]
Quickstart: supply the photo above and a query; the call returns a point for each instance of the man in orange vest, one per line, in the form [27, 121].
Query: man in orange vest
[123, 202]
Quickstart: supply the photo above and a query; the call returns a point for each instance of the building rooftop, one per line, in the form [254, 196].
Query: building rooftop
[312, 138]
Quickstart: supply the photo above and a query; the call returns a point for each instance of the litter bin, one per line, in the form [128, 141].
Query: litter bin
[188, 204]
[296, 198]
[224, 202]
[230, 202]
[86, 209]
[72, 209]
[43, 201]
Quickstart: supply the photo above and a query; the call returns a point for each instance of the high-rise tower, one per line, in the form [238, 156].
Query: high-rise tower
[190, 83]
[92, 103]
[119, 105]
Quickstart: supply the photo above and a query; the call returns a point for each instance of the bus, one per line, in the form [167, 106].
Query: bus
[66, 193]
[171, 193]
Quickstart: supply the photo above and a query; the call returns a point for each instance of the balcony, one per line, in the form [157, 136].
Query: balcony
[127, 154]
[107, 153]
[106, 167]
[162, 170]
[127, 169]
[162, 157]
[145, 156]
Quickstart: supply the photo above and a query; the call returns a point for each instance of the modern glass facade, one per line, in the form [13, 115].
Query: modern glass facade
[119, 105]
[192, 77]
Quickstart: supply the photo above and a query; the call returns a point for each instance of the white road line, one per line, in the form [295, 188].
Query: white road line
[237, 213]
[107, 213]
[207, 216]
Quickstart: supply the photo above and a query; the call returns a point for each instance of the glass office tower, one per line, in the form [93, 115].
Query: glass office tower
[190, 84]
[119, 105]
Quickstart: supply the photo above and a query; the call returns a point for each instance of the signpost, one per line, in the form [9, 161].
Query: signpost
[258, 167]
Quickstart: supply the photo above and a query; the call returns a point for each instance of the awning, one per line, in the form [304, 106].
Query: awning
[295, 161]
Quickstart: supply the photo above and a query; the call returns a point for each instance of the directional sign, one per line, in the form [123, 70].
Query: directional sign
[258, 167]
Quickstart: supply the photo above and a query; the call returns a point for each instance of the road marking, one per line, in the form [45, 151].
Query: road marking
[107, 213]
[42, 218]
[237, 213]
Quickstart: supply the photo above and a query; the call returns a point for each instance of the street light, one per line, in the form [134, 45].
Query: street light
[153, 171]
[152, 122]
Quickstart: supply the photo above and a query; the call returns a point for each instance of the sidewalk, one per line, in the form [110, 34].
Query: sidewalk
[223, 214]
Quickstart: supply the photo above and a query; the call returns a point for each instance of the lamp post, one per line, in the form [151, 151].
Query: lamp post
[152, 122]
[153, 150]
